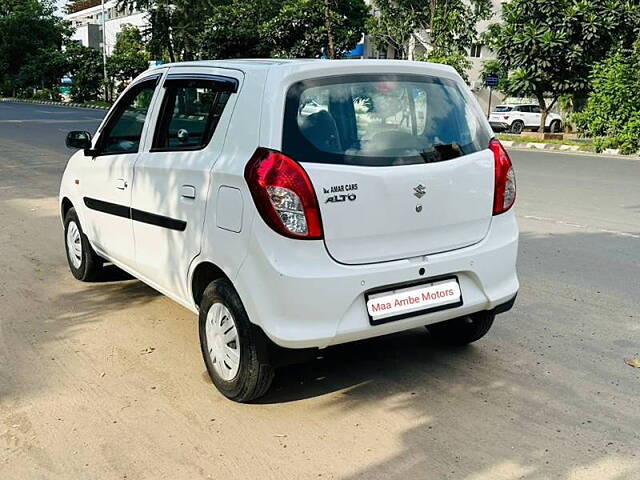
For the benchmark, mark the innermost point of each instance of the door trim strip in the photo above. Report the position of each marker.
(135, 214)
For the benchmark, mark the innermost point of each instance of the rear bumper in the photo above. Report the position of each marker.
(302, 298)
(499, 126)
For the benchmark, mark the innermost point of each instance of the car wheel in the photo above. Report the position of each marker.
(232, 348)
(555, 126)
(462, 330)
(517, 127)
(84, 262)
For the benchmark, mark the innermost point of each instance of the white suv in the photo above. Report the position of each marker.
(517, 118)
(294, 205)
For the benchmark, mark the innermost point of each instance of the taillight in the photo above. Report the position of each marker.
(283, 195)
(504, 193)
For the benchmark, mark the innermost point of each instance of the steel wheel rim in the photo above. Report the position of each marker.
(74, 244)
(223, 344)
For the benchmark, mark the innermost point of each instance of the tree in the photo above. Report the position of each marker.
(446, 28)
(392, 25)
(234, 29)
(43, 69)
(290, 28)
(175, 25)
(29, 31)
(306, 28)
(612, 110)
(129, 57)
(546, 49)
(85, 67)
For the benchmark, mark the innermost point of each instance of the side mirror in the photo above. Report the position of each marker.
(79, 140)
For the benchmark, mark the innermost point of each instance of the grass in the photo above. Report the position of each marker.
(585, 144)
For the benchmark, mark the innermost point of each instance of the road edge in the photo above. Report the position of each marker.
(56, 104)
(558, 148)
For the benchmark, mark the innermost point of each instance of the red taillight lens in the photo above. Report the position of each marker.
(284, 195)
(504, 194)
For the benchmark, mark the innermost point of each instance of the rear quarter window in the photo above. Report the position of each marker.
(380, 120)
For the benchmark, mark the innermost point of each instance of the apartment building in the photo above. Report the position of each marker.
(88, 23)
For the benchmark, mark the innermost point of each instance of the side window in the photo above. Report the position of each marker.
(535, 109)
(123, 131)
(189, 115)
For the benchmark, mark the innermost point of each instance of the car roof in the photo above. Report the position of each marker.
(302, 64)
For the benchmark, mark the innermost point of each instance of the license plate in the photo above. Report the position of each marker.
(406, 302)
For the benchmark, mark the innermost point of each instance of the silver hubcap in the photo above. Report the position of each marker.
(74, 244)
(223, 343)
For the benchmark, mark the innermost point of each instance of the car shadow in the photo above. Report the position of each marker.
(356, 364)
(111, 273)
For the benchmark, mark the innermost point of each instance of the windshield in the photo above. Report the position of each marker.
(380, 120)
(502, 108)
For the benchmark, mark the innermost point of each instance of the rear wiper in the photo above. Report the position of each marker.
(441, 152)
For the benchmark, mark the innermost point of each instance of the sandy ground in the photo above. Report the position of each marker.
(105, 380)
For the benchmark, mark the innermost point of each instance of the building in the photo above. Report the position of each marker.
(88, 23)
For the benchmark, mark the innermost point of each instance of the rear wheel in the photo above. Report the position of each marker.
(232, 348)
(517, 127)
(462, 330)
(555, 126)
(84, 262)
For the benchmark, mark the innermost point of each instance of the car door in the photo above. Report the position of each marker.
(535, 115)
(524, 114)
(108, 177)
(173, 173)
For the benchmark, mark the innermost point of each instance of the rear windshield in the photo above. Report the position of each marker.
(380, 120)
(503, 108)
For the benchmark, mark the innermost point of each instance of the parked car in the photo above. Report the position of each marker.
(517, 118)
(295, 205)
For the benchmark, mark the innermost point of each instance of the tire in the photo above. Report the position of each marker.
(517, 127)
(462, 330)
(244, 374)
(84, 262)
(555, 126)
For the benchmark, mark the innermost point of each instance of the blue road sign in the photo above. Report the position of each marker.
(491, 80)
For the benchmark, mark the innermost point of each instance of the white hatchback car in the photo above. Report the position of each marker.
(299, 204)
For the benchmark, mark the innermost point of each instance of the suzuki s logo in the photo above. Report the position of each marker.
(420, 191)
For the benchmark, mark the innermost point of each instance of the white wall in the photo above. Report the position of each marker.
(114, 27)
(113, 24)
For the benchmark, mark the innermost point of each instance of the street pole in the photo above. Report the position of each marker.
(104, 55)
(489, 107)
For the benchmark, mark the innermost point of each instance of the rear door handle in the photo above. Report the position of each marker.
(121, 184)
(188, 191)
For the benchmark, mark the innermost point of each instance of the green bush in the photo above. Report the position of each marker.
(612, 112)
(47, 95)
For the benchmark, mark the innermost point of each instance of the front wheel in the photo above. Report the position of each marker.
(462, 330)
(84, 262)
(232, 348)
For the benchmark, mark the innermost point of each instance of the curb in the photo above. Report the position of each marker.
(56, 104)
(561, 148)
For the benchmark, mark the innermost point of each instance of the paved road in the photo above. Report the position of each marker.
(106, 381)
